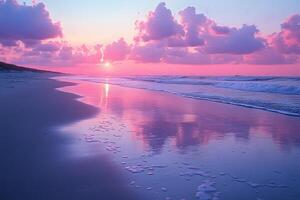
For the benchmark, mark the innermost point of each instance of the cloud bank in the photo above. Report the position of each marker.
(193, 38)
(28, 35)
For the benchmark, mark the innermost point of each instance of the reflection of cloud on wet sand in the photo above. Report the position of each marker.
(155, 118)
(150, 134)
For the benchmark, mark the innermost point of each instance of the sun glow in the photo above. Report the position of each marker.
(107, 64)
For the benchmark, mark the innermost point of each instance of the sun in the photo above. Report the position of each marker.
(107, 64)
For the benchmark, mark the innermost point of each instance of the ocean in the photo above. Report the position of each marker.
(276, 94)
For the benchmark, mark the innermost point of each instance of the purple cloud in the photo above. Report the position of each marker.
(160, 24)
(236, 41)
(60, 54)
(269, 56)
(29, 24)
(8, 42)
(192, 24)
(48, 47)
(183, 56)
(193, 39)
(151, 52)
(288, 40)
(220, 29)
(196, 30)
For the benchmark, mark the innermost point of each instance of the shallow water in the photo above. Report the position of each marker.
(170, 147)
(276, 94)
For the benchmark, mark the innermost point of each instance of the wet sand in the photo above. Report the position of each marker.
(34, 163)
(171, 147)
(100, 141)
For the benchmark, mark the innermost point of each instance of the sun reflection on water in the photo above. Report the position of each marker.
(106, 85)
(104, 95)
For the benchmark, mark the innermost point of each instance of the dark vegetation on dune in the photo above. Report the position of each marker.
(5, 67)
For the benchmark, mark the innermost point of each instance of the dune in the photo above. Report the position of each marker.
(15, 68)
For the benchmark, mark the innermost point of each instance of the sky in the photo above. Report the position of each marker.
(119, 16)
(135, 36)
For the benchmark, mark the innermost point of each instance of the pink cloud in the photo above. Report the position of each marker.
(288, 40)
(183, 56)
(116, 51)
(58, 54)
(269, 56)
(29, 24)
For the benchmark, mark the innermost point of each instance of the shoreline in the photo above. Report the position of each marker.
(209, 98)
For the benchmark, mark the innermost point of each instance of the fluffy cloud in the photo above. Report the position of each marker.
(220, 29)
(57, 54)
(192, 39)
(29, 24)
(116, 51)
(159, 24)
(288, 40)
(24, 37)
(234, 40)
(183, 56)
(192, 24)
(193, 57)
(195, 30)
(150, 52)
(48, 47)
(268, 56)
